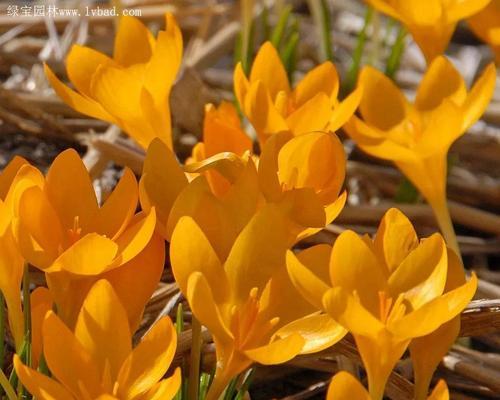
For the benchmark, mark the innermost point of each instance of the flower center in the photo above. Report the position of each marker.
(385, 304)
(75, 232)
(246, 324)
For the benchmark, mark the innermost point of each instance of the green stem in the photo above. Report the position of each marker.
(321, 16)
(352, 75)
(27, 312)
(4, 382)
(246, 33)
(194, 370)
(397, 50)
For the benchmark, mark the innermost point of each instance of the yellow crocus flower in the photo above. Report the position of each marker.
(246, 299)
(131, 89)
(16, 177)
(417, 136)
(271, 105)
(385, 291)
(61, 229)
(344, 386)
(93, 361)
(431, 22)
(486, 25)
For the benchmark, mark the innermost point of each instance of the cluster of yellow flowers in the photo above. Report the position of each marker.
(231, 218)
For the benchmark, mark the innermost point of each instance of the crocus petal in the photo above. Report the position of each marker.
(241, 84)
(440, 392)
(372, 141)
(277, 352)
(313, 115)
(81, 64)
(135, 281)
(75, 100)
(40, 386)
(323, 78)
(422, 274)
(430, 316)
(345, 109)
(384, 7)
(280, 299)
(332, 211)
(442, 80)
(38, 240)
(149, 361)
(119, 208)
(27, 176)
(306, 207)
(156, 122)
(479, 96)
(350, 313)
(444, 126)
(222, 131)
(41, 303)
(262, 113)
(268, 166)
(243, 197)
(118, 90)
(191, 251)
(463, 9)
(70, 191)
(9, 173)
(355, 267)
(91, 255)
(166, 389)
(309, 273)
(313, 160)
(132, 34)
(319, 332)
(345, 386)
(161, 182)
(11, 274)
(202, 302)
(197, 201)
(67, 358)
(424, 361)
(133, 240)
(268, 68)
(103, 330)
(382, 114)
(257, 245)
(395, 238)
(165, 62)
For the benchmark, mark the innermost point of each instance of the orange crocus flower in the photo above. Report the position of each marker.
(417, 136)
(385, 291)
(245, 298)
(431, 22)
(95, 360)
(131, 89)
(61, 229)
(271, 105)
(222, 133)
